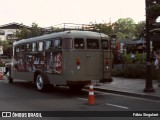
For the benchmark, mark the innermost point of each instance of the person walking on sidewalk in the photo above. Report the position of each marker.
(157, 64)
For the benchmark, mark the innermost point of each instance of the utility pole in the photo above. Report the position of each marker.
(149, 85)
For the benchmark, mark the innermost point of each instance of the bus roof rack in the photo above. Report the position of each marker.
(69, 26)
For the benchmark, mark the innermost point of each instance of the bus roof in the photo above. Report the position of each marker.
(64, 34)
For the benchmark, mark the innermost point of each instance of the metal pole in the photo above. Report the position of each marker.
(149, 85)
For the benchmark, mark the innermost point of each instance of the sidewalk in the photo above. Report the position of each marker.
(131, 87)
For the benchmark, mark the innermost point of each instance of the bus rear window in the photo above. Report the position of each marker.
(92, 44)
(105, 44)
(79, 43)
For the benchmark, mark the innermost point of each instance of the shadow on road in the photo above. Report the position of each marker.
(64, 90)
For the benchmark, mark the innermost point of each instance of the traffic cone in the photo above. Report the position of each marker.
(1, 76)
(91, 98)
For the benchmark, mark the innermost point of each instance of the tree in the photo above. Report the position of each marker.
(140, 29)
(7, 48)
(105, 28)
(23, 33)
(35, 30)
(125, 28)
(26, 32)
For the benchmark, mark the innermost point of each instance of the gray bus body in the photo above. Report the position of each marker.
(71, 58)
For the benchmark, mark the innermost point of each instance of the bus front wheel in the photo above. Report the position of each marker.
(40, 83)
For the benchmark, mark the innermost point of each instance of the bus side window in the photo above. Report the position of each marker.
(57, 44)
(79, 43)
(105, 44)
(40, 46)
(34, 47)
(16, 50)
(48, 45)
(28, 47)
(22, 48)
(67, 43)
(92, 44)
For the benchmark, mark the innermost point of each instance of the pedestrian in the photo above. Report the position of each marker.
(7, 69)
(157, 64)
(132, 57)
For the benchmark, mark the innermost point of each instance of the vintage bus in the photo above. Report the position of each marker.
(69, 58)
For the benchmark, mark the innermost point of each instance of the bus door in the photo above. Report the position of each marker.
(94, 58)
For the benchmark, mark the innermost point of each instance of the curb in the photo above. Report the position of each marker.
(145, 96)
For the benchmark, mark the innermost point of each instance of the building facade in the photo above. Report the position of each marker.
(8, 31)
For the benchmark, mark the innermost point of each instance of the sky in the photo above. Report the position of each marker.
(48, 13)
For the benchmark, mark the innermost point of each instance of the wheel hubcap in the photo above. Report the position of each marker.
(39, 82)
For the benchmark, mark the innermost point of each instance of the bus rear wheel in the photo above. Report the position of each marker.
(40, 83)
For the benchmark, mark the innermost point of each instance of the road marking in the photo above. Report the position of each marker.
(134, 97)
(123, 107)
(81, 98)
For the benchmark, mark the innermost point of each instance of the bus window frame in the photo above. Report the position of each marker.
(35, 49)
(42, 46)
(90, 41)
(28, 47)
(59, 46)
(49, 47)
(22, 47)
(79, 45)
(17, 49)
(102, 45)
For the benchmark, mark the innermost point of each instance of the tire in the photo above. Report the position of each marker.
(40, 83)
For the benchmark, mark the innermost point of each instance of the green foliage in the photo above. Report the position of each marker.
(135, 71)
(127, 59)
(29, 32)
(5, 44)
(124, 28)
(2, 64)
(103, 28)
(35, 30)
(127, 28)
(23, 33)
(139, 58)
(140, 29)
(117, 72)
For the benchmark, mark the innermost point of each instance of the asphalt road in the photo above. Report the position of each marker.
(22, 96)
